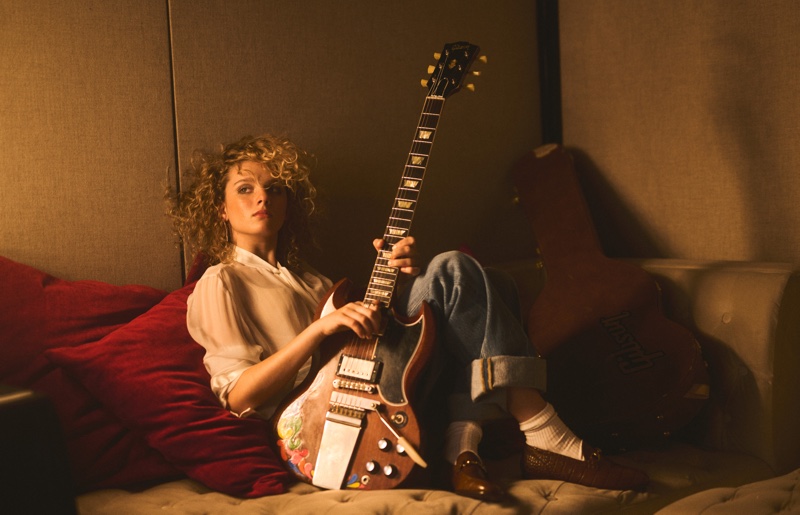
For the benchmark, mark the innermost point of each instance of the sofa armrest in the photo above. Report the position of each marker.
(745, 316)
(34, 470)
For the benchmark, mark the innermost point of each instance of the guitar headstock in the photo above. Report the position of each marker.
(453, 65)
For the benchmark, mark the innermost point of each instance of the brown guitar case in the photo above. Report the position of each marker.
(620, 373)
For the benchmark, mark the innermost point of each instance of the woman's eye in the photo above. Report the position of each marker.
(245, 189)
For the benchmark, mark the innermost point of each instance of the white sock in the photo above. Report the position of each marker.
(547, 431)
(461, 436)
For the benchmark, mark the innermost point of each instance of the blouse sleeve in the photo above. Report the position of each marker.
(213, 322)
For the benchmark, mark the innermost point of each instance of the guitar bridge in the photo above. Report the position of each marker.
(352, 403)
(358, 368)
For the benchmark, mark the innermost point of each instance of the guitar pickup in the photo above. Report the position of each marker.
(358, 368)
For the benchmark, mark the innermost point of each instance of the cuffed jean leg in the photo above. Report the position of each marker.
(480, 331)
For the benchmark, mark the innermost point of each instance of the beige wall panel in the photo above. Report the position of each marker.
(684, 116)
(86, 138)
(342, 80)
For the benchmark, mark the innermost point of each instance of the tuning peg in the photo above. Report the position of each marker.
(476, 73)
(431, 69)
(424, 83)
(470, 87)
(483, 59)
(437, 55)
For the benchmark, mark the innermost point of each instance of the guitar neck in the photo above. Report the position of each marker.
(384, 277)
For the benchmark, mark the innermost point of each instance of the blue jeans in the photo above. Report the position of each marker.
(477, 318)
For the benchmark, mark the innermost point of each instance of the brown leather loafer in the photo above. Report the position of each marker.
(470, 479)
(594, 470)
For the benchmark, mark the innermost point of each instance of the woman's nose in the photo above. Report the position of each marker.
(263, 195)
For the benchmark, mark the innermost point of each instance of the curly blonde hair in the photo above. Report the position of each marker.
(197, 211)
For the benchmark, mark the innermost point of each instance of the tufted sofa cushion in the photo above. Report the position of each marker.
(777, 495)
(676, 472)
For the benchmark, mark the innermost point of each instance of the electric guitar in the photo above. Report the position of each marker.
(351, 423)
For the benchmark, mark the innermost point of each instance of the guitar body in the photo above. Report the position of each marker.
(620, 373)
(401, 354)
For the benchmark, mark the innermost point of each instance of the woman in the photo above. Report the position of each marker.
(248, 210)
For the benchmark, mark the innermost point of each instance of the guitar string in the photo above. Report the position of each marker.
(431, 110)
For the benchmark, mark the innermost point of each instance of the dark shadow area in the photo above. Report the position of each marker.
(619, 231)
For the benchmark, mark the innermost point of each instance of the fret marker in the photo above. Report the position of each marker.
(425, 134)
(404, 204)
(417, 160)
(397, 232)
(408, 183)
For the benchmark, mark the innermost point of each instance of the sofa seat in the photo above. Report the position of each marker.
(676, 472)
(776, 495)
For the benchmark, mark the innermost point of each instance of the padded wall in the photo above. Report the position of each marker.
(342, 79)
(684, 118)
(86, 139)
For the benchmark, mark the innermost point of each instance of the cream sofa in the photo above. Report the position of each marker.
(743, 457)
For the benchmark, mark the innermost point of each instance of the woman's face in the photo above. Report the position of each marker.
(255, 206)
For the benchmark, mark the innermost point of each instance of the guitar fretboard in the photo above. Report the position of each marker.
(383, 278)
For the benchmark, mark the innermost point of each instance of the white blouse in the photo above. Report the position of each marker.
(243, 311)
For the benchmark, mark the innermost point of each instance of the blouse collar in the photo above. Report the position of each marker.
(246, 257)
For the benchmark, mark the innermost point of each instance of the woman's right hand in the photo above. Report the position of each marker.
(364, 320)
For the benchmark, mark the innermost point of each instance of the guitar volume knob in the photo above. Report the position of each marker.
(384, 444)
(372, 466)
(389, 470)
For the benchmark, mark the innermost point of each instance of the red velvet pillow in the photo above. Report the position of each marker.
(38, 312)
(150, 374)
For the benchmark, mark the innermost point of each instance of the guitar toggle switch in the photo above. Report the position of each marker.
(402, 442)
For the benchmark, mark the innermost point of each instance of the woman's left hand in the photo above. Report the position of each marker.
(404, 255)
